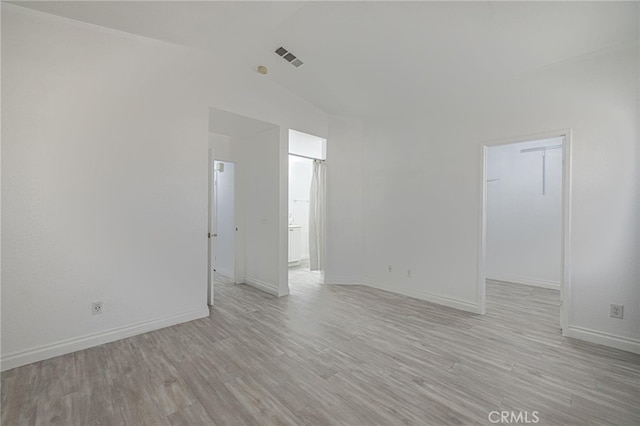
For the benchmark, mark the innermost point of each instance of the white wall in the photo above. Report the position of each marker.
(307, 145)
(104, 142)
(300, 174)
(345, 216)
(422, 188)
(225, 247)
(258, 183)
(248, 142)
(524, 226)
(221, 146)
(104, 178)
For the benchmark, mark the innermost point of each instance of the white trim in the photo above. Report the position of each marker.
(611, 340)
(482, 246)
(555, 285)
(283, 292)
(262, 285)
(565, 284)
(62, 347)
(429, 297)
(283, 211)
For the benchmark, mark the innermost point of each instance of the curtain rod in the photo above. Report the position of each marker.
(304, 156)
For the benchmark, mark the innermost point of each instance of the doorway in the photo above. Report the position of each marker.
(222, 226)
(306, 210)
(525, 219)
(257, 150)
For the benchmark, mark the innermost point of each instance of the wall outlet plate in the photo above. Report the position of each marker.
(616, 311)
(96, 308)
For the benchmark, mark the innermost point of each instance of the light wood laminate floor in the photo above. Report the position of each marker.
(300, 275)
(336, 355)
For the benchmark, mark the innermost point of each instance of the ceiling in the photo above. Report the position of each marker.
(371, 59)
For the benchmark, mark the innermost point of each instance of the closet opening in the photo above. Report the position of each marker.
(525, 232)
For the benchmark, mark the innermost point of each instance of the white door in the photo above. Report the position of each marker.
(212, 231)
(224, 228)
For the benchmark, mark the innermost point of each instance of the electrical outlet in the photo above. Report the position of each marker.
(409, 275)
(390, 268)
(96, 308)
(616, 311)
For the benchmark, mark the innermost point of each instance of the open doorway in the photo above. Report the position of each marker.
(222, 227)
(306, 212)
(525, 224)
(247, 167)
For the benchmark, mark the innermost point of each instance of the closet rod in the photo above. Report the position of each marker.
(304, 156)
(544, 162)
(542, 148)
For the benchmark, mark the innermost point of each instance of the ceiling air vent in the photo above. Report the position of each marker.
(289, 57)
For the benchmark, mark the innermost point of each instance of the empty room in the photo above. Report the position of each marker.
(320, 213)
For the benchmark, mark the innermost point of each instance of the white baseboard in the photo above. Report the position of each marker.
(613, 341)
(262, 285)
(555, 285)
(342, 281)
(17, 359)
(440, 300)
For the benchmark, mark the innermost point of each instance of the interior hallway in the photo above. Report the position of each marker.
(336, 355)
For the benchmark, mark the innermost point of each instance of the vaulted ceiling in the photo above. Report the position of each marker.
(376, 58)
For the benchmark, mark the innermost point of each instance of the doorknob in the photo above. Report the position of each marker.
(212, 235)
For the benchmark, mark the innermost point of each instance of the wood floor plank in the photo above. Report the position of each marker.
(194, 414)
(336, 355)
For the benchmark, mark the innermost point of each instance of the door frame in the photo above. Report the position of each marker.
(565, 250)
(324, 207)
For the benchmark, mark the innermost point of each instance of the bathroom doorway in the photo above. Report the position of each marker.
(306, 212)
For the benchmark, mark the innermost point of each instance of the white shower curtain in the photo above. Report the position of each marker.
(316, 216)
